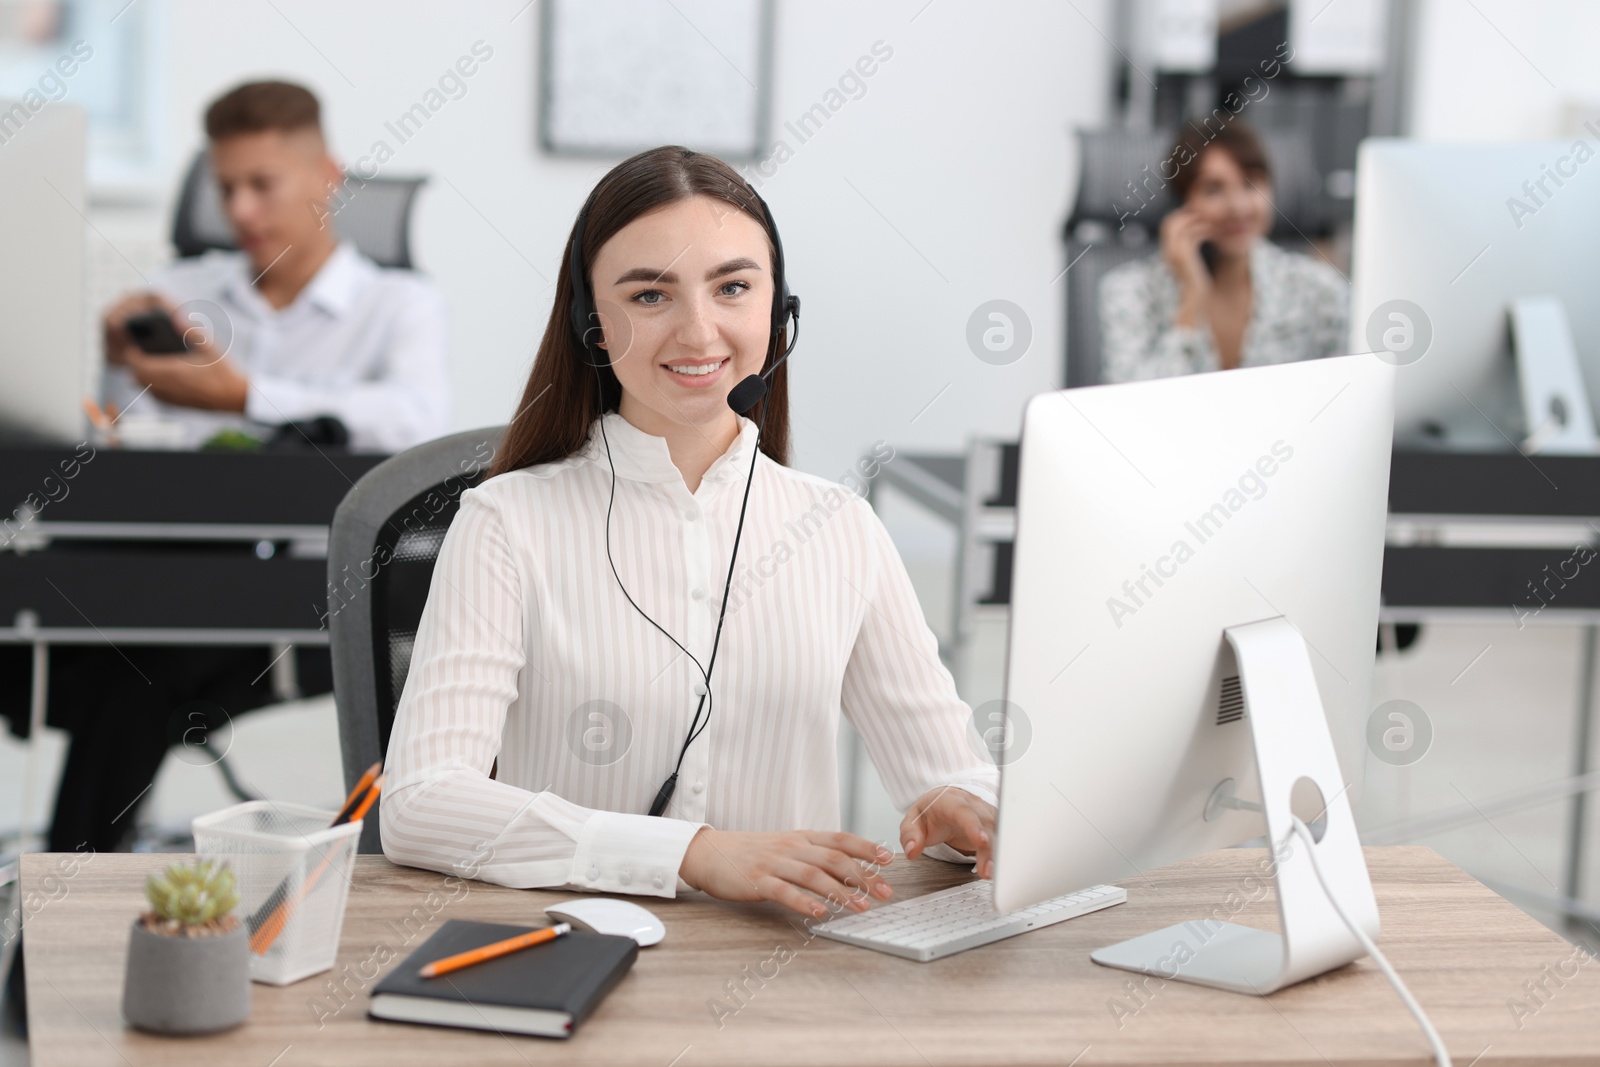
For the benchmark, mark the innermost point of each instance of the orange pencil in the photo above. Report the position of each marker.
(262, 937)
(489, 952)
(98, 419)
(367, 801)
(351, 801)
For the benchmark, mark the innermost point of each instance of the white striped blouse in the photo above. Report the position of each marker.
(528, 652)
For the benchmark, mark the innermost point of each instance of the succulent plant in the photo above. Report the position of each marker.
(185, 896)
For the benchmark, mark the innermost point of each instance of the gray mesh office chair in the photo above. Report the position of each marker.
(1108, 226)
(374, 214)
(385, 538)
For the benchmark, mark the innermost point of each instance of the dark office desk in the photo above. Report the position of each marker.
(149, 547)
(1467, 531)
(188, 549)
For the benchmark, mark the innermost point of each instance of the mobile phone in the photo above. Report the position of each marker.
(155, 334)
(1208, 256)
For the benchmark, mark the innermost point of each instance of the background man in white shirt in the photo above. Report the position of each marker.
(307, 327)
(296, 324)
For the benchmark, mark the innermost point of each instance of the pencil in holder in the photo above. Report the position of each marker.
(292, 871)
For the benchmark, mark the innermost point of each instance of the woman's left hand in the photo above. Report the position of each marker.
(954, 817)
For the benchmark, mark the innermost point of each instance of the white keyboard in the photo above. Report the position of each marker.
(962, 917)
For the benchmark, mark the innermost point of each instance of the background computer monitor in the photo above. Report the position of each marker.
(1275, 479)
(1459, 231)
(42, 329)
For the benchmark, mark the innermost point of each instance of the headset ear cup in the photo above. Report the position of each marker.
(599, 335)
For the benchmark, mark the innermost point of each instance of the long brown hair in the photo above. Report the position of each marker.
(565, 394)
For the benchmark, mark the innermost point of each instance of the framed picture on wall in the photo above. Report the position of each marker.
(619, 76)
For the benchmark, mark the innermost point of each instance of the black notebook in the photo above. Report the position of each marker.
(546, 989)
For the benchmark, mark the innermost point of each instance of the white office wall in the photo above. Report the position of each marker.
(1504, 70)
(942, 187)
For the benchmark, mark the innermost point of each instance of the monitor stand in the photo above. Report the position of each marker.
(1294, 755)
(1555, 402)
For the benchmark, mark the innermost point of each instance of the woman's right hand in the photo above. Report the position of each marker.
(1182, 232)
(793, 868)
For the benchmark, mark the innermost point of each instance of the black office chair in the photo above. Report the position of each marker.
(385, 538)
(372, 213)
(1110, 224)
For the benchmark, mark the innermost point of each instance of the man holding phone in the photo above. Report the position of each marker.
(294, 325)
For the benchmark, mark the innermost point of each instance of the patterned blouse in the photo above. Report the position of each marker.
(1299, 310)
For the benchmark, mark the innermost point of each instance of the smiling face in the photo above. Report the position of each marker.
(1237, 205)
(684, 294)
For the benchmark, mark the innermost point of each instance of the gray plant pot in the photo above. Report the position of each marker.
(187, 985)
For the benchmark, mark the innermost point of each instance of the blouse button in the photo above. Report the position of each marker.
(594, 872)
(699, 689)
(699, 787)
(691, 513)
(624, 877)
(659, 881)
(698, 593)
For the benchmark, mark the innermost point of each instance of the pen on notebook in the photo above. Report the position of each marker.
(489, 952)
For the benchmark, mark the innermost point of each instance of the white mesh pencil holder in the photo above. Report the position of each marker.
(293, 876)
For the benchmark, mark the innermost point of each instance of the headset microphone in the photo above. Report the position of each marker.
(750, 392)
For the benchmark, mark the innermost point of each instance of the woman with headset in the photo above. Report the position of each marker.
(606, 692)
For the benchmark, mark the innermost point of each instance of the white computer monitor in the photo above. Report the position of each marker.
(1461, 232)
(1152, 517)
(42, 322)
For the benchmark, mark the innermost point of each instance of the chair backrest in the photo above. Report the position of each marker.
(372, 213)
(381, 551)
(1091, 262)
(1118, 210)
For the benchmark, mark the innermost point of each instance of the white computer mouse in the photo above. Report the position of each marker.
(607, 915)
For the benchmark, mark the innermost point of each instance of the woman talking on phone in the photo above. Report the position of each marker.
(1219, 295)
(643, 629)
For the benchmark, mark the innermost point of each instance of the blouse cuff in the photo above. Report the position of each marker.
(983, 793)
(942, 851)
(619, 852)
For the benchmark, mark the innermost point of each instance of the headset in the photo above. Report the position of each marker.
(584, 320)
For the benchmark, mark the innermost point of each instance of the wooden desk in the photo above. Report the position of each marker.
(1036, 998)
